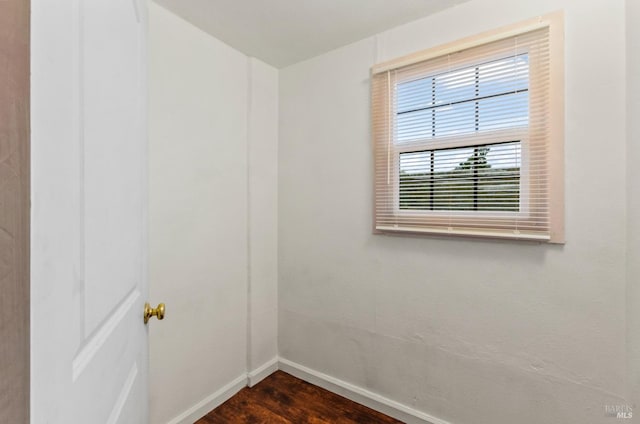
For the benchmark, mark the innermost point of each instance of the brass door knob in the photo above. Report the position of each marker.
(157, 312)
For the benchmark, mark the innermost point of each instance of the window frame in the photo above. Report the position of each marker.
(554, 161)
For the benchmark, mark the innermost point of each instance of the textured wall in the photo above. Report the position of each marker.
(197, 213)
(472, 331)
(263, 213)
(14, 211)
(213, 128)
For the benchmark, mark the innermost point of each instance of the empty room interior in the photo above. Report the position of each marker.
(362, 211)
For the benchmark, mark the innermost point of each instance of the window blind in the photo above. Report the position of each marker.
(463, 141)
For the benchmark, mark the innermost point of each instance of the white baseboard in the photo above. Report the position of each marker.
(216, 399)
(212, 401)
(262, 372)
(357, 394)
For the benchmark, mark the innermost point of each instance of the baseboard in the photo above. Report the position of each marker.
(262, 372)
(212, 401)
(357, 394)
(216, 399)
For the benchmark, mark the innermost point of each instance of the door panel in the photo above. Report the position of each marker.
(89, 343)
(111, 122)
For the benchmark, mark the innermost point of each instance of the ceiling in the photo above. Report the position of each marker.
(283, 32)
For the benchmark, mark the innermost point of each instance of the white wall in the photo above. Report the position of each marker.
(472, 331)
(633, 201)
(198, 213)
(263, 214)
(207, 123)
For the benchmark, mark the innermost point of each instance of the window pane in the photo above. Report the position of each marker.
(455, 119)
(485, 178)
(504, 76)
(506, 111)
(414, 95)
(414, 125)
(455, 86)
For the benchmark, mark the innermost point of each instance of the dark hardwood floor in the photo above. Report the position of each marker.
(282, 398)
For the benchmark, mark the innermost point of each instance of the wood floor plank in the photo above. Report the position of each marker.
(241, 409)
(284, 399)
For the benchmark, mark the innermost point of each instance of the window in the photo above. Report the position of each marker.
(468, 137)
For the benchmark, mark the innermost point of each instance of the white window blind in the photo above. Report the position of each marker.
(464, 141)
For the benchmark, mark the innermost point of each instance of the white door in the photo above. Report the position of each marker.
(88, 260)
